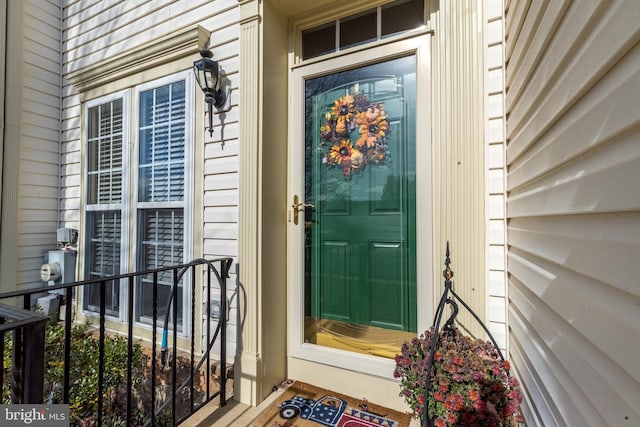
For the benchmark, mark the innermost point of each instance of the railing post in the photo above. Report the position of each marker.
(27, 370)
(2, 354)
(33, 368)
(225, 266)
(16, 367)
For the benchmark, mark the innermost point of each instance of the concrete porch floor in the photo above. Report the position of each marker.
(233, 413)
(236, 414)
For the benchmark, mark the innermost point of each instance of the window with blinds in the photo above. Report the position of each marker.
(161, 190)
(104, 183)
(104, 144)
(145, 187)
(161, 245)
(103, 246)
(162, 132)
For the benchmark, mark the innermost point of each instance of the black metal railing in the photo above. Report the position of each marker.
(159, 388)
(27, 375)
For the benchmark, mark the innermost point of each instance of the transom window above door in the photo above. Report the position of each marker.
(364, 27)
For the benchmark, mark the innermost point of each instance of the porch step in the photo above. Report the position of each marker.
(234, 413)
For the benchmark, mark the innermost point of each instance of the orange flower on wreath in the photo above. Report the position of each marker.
(344, 154)
(343, 111)
(373, 125)
(340, 152)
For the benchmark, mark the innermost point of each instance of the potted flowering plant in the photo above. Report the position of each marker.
(470, 384)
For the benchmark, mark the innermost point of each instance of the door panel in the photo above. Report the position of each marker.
(360, 240)
(336, 264)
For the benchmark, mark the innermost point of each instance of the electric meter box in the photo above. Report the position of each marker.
(67, 235)
(60, 267)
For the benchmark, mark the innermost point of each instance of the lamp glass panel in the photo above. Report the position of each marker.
(211, 74)
(198, 70)
(206, 74)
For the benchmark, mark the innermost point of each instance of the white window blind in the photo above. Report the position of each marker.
(162, 134)
(161, 245)
(104, 231)
(104, 144)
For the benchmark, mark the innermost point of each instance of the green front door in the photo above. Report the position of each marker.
(360, 230)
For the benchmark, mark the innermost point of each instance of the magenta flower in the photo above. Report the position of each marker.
(470, 385)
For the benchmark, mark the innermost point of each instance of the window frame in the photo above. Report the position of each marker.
(130, 206)
(335, 17)
(123, 206)
(186, 204)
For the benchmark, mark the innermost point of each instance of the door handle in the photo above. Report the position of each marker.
(297, 207)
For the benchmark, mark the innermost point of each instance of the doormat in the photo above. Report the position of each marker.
(304, 405)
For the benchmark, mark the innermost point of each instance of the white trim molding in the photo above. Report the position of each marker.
(145, 56)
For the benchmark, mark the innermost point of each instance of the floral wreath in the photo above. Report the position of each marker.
(349, 113)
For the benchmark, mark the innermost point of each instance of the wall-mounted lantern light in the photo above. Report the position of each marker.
(209, 79)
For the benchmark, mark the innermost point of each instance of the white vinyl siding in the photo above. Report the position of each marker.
(134, 21)
(31, 72)
(495, 249)
(573, 209)
(220, 176)
(459, 149)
